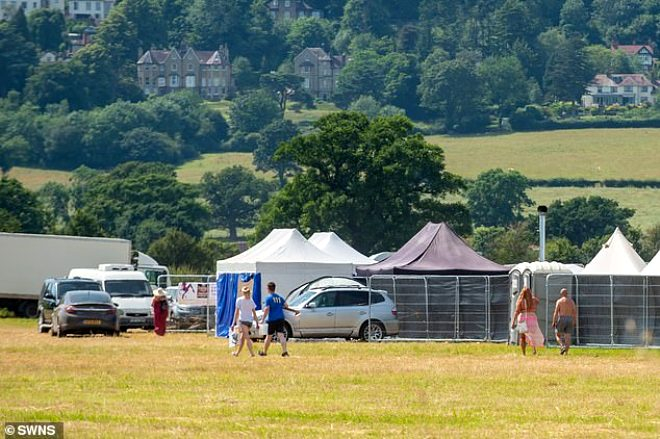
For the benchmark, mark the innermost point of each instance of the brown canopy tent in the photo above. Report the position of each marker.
(436, 250)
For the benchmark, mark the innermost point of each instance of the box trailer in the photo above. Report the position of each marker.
(26, 260)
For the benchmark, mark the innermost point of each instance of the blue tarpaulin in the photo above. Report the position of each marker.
(226, 298)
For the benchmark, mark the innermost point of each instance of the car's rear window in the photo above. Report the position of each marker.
(65, 287)
(358, 298)
(87, 297)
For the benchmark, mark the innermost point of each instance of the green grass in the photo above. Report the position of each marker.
(645, 201)
(34, 179)
(590, 153)
(303, 116)
(187, 385)
(192, 172)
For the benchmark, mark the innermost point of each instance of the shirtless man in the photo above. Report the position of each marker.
(563, 320)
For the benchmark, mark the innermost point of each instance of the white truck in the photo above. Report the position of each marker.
(26, 260)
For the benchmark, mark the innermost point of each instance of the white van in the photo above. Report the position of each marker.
(130, 290)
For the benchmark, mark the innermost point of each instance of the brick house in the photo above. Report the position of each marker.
(643, 53)
(319, 71)
(291, 10)
(622, 89)
(206, 72)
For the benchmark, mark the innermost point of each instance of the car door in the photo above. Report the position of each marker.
(352, 309)
(317, 317)
(48, 302)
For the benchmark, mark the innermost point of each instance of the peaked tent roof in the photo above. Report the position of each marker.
(616, 257)
(436, 249)
(332, 244)
(653, 267)
(283, 245)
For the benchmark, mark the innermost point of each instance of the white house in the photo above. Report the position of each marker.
(643, 53)
(90, 9)
(622, 89)
(9, 7)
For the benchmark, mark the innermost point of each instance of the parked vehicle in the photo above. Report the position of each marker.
(157, 275)
(129, 289)
(85, 312)
(26, 260)
(341, 311)
(53, 291)
(190, 316)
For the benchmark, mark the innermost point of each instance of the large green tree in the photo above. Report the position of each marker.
(235, 195)
(17, 56)
(252, 111)
(583, 218)
(373, 182)
(505, 84)
(47, 28)
(497, 198)
(21, 207)
(270, 138)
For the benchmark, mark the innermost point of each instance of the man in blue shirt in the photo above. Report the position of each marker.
(274, 316)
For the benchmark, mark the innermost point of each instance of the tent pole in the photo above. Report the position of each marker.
(456, 308)
(426, 291)
(611, 311)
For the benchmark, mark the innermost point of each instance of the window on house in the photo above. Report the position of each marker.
(287, 3)
(162, 68)
(287, 14)
(306, 83)
(645, 89)
(174, 67)
(190, 81)
(615, 89)
(174, 81)
(88, 6)
(599, 89)
(316, 14)
(75, 6)
(301, 14)
(190, 67)
(161, 82)
(276, 3)
(628, 89)
(98, 6)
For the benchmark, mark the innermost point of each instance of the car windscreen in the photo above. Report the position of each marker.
(302, 298)
(64, 287)
(128, 288)
(79, 297)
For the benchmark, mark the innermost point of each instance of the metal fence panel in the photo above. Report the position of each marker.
(498, 308)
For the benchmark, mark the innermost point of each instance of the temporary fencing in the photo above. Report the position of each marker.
(192, 299)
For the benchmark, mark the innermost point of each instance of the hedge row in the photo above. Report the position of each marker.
(582, 182)
(548, 124)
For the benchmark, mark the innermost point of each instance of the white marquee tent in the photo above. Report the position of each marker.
(332, 244)
(286, 258)
(653, 267)
(617, 257)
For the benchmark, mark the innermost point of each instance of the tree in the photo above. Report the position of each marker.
(21, 205)
(309, 32)
(365, 16)
(17, 56)
(505, 84)
(235, 196)
(373, 182)
(84, 223)
(401, 81)
(20, 24)
(575, 16)
(366, 105)
(363, 76)
(145, 145)
(270, 138)
(47, 28)
(243, 74)
(282, 85)
(567, 72)
(582, 218)
(505, 246)
(55, 198)
(562, 250)
(650, 243)
(451, 88)
(120, 200)
(497, 198)
(176, 249)
(252, 111)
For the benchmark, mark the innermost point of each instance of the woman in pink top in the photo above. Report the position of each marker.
(526, 312)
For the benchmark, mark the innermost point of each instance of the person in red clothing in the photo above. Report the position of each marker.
(161, 311)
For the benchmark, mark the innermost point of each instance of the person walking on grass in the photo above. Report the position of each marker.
(244, 315)
(160, 308)
(563, 320)
(274, 316)
(525, 319)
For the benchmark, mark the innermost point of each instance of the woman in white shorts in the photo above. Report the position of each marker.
(244, 315)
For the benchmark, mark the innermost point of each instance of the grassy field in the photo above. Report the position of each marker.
(33, 179)
(187, 385)
(645, 201)
(590, 153)
(192, 172)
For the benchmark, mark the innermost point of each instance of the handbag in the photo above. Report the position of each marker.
(521, 327)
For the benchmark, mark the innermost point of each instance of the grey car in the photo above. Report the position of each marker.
(85, 312)
(53, 292)
(342, 312)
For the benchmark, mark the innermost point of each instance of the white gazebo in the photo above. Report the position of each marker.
(617, 257)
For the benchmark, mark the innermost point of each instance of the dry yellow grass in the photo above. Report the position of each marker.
(189, 386)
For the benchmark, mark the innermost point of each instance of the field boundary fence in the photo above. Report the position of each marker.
(613, 310)
(192, 306)
(447, 308)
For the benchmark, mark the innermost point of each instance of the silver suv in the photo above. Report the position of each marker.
(342, 312)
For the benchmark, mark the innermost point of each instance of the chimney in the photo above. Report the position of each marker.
(542, 210)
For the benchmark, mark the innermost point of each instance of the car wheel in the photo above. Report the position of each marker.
(373, 331)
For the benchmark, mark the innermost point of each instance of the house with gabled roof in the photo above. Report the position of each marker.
(319, 71)
(643, 53)
(208, 73)
(621, 89)
(282, 10)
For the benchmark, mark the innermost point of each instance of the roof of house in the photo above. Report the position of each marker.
(633, 49)
(297, 3)
(205, 56)
(621, 79)
(320, 54)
